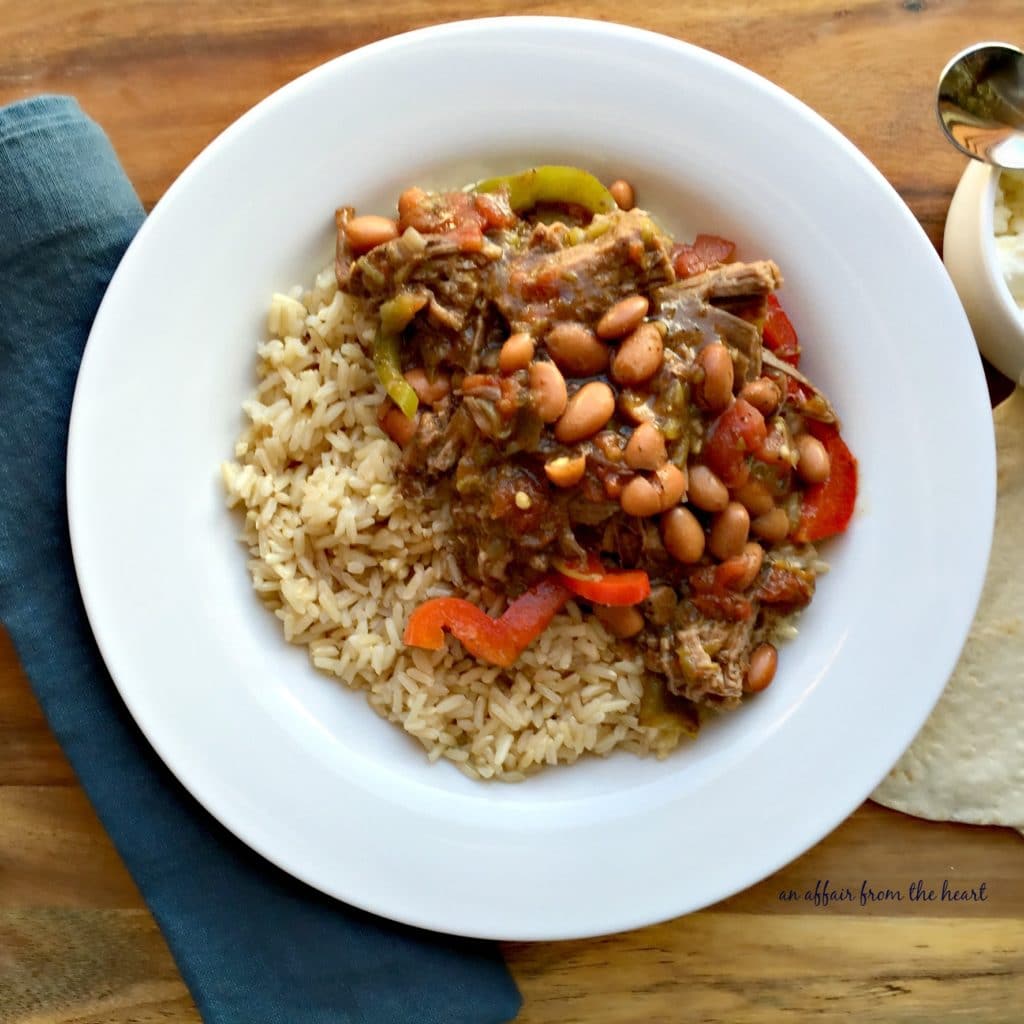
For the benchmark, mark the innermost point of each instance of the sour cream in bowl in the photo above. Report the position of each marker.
(984, 254)
(1008, 224)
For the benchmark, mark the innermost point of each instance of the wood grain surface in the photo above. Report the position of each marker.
(76, 942)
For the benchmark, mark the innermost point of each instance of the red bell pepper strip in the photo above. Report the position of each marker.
(779, 335)
(499, 641)
(608, 587)
(827, 507)
(531, 613)
(737, 433)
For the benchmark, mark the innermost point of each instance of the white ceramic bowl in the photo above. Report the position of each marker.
(303, 770)
(969, 251)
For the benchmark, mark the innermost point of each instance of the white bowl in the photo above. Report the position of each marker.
(303, 770)
(969, 251)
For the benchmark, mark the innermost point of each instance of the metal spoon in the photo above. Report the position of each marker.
(980, 103)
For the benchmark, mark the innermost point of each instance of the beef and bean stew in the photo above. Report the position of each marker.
(611, 414)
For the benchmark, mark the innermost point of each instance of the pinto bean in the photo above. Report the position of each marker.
(744, 567)
(548, 393)
(647, 496)
(764, 660)
(729, 531)
(623, 194)
(639, 356)
(813, 463)
(397, 425)
(672, 481)
(482, 385)
(755, 497)
(715, 391)
(707, 492)
(516, 353)
(586, 412)
(763, 394)
(429, 391)
(682, 535)
(640, 497)
(576, 350)
(368, 231)
(772, 526)
(622, 621)
(624, 317)
(566, 471)
(645, 448)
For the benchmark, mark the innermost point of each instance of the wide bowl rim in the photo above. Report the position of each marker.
(78, 440)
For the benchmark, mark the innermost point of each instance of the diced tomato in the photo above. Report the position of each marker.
(685, 260)
(420, 210)
(729, 573)
(785, 586)
(457, 215)
(718, 580)
(702, 580)
(796, 393)
(707, 251)
(780, 335)
(774, 450)
(714, 250)
(738, 432)
(495, 210)
(499, 641)
(469, 236)
(518, 515)
(827, 507)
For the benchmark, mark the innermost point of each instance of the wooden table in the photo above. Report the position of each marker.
(76, 942)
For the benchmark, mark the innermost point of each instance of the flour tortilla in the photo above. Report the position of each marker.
(967, 763)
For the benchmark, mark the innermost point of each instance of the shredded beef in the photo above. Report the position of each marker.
(579, 282)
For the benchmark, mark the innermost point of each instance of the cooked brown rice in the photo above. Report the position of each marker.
(342, 558)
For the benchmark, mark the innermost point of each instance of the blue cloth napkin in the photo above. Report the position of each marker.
(253, 945)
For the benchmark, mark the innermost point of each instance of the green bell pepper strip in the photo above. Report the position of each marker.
(551, 184)
(388, 364)
(395, 316)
